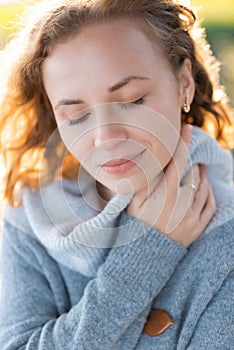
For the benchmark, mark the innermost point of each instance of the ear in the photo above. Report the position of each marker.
(187, 84)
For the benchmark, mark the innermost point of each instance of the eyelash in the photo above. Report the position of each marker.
(78, 120)
(125, 105)
(128, 105)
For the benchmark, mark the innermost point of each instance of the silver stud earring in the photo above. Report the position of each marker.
(186, 105)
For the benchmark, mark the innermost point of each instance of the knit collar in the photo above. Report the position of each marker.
(69, 220)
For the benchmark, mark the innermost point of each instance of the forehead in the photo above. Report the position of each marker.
(103, 41)
(99, 56)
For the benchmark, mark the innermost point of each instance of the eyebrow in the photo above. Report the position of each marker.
(111, 89)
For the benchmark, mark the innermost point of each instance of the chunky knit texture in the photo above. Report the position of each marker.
(77, 276)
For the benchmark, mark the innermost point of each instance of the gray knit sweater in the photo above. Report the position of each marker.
(77, 274)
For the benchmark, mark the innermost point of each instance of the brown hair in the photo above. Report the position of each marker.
(27, 120)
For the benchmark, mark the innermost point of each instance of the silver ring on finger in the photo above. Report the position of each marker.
(193, 187)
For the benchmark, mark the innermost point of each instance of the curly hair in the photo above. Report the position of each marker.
(26, 116)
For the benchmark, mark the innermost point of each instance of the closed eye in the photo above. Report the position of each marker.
(132, 104)
(125, 105)
(78, 120)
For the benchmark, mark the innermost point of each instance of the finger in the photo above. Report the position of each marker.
(209, 209)
(177, 164)
(185, 199)
(202, 192)
(141, 196)
(181, 208)
(192, 177)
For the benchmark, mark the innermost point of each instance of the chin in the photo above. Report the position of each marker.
(131, 184)
(123, 186)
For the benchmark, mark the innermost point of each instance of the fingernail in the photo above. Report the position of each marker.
(189, 128)
(188, 132)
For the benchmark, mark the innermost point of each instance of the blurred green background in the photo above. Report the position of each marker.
(218, 19)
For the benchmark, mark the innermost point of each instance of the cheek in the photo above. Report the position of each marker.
(166, 128)
(167, 103)
(79, 145)
(162, 148)
(169, 113)
(81, 151)
(166, 144)
(161, 134)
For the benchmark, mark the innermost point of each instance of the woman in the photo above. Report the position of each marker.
(133, 248)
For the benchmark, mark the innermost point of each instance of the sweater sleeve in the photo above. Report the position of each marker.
(215, 328)
(114, 306)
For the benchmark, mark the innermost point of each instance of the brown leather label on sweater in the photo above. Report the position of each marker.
(157, 322)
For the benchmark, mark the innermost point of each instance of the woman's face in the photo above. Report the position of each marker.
(116, 103)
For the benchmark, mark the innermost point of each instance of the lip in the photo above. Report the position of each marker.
(121, 165)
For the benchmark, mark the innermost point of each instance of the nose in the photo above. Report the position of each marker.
(111, 134)
(109, 128)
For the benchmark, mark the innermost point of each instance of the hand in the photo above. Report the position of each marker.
(173, 207)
